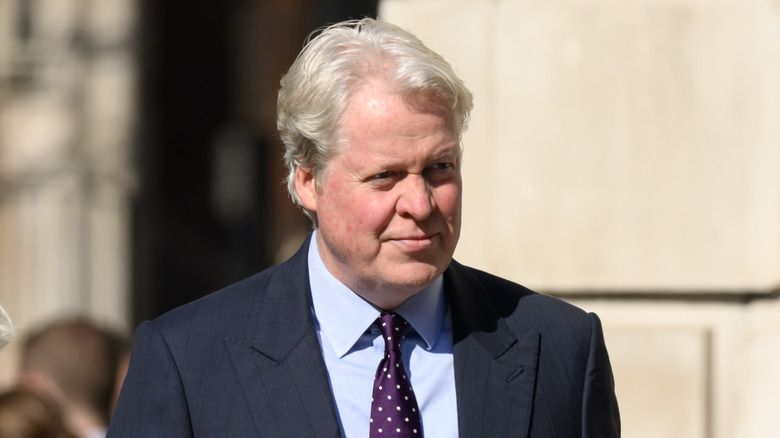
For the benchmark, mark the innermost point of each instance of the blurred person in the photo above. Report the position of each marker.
(74, 363)
(24, 414)
(371, 120)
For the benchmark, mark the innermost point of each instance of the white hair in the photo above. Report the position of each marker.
(317, 89)
(7, 331)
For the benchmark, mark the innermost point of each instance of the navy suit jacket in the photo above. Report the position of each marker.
(246, 362)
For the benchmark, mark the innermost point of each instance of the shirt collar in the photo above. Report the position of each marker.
(343, 316)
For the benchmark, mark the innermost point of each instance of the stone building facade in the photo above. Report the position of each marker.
(625, 156)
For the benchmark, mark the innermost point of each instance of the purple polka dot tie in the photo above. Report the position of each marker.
(394, 410)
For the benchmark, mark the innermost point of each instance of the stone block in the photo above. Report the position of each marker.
(617, 146)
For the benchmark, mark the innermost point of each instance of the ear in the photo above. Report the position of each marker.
(306, 187)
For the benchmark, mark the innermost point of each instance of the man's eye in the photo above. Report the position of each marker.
(383, 175)
(440, 172)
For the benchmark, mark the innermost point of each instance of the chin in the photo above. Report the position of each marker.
(418, 277)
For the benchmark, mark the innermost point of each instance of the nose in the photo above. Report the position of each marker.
(415, 199)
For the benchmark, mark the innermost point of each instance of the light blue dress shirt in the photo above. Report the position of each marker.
(352, 348)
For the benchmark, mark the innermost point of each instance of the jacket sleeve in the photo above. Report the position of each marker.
(600, 414)
(152, 402)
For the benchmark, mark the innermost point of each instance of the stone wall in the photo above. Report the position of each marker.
(626, 156)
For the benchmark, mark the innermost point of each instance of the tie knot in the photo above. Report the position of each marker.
(393, 327)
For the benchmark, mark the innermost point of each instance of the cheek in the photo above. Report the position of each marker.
(354, 212)
(373, 211)
(448, 199)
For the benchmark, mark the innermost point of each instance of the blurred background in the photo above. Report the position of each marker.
(624, 156)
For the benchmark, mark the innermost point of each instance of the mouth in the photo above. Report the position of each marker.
(415, 243)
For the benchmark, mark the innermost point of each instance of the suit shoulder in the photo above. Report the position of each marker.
(233, 303)
(507, 294)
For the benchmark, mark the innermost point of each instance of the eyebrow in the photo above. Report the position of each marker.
(449, 149)
(444, 151)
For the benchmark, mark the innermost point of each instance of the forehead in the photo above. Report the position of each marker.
(376, 108)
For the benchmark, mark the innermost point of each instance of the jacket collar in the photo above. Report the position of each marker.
(283, 371)
(495, 365)
(282, 374)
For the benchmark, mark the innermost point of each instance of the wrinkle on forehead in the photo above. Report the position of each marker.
(374, 98)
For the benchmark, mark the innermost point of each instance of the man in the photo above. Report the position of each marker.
(372, 121)
(73, 363)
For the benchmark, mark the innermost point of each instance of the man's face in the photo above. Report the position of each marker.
(389, 203)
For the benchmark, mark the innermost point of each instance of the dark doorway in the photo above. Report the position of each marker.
(211, 208)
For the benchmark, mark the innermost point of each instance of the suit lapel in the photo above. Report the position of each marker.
(282, 372)
(285, 381)
(495, 366)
